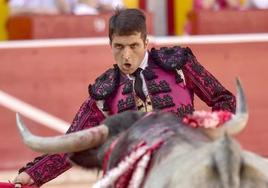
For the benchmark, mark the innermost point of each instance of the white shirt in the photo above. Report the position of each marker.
(261, 4)
(143, 65)
(85, 9)
(45, 4)
(113, 3)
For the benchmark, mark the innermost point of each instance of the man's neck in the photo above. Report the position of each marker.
(144, 62)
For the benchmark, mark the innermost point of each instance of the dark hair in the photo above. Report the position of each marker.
(127, 22)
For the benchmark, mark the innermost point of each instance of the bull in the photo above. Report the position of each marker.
(157, 150)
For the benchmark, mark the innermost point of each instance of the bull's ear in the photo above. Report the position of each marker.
(87, 159)
(254, 170)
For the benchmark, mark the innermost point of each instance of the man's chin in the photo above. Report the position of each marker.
(127, 71)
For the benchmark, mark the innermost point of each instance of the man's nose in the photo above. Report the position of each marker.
(126, 52)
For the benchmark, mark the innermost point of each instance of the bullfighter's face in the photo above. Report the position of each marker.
(128, 51)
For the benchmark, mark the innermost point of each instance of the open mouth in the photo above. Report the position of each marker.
(127, 65)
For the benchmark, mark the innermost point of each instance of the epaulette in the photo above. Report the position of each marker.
(105, 84)
(171, 58)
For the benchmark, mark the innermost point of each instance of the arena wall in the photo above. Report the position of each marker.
(55, 78)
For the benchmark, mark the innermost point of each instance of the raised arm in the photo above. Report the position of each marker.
(206, 86)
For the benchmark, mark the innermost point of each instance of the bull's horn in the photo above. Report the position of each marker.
(72, 142)
(240, 119)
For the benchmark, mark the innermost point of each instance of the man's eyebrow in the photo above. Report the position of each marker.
(118, 43)
(133, 43)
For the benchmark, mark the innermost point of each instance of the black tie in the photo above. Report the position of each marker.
(138, 84)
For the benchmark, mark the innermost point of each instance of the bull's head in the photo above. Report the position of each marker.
(211, 164)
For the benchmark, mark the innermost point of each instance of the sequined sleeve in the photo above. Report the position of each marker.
(206, 86)
(47, 167)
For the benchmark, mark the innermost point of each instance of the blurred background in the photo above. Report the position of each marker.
(50, 50)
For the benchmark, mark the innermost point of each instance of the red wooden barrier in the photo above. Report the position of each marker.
(61, 26)
(228, 21)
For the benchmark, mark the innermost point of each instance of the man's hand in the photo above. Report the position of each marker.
(23, 179)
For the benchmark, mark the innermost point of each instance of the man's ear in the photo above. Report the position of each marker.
(146, 42)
